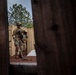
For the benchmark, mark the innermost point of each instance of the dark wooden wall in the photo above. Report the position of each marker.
(55, 36)
(4, 54)
(23, 70)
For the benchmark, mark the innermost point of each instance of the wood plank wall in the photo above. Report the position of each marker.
(55, 36)
(30, 39)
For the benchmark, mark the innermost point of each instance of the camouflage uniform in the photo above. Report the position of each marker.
(19, 41)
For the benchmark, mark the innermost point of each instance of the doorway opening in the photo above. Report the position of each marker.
(21, 33)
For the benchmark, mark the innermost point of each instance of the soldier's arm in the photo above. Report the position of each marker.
(13, 35)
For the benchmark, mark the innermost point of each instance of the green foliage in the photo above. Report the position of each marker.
(18, 13)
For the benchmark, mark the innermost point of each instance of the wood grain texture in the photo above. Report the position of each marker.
(4, 59)
(55, 36)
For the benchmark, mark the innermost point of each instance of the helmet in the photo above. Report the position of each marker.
(18, 24)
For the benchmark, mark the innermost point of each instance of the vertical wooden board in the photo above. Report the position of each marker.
(4, 53)
(55, 36)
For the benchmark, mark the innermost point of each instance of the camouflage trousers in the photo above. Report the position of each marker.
(20, 47)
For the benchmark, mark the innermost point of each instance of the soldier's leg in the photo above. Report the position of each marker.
(20, 49)
(24, 49)
(16, 52)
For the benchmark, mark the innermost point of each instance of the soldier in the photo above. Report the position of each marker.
(19, 36)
